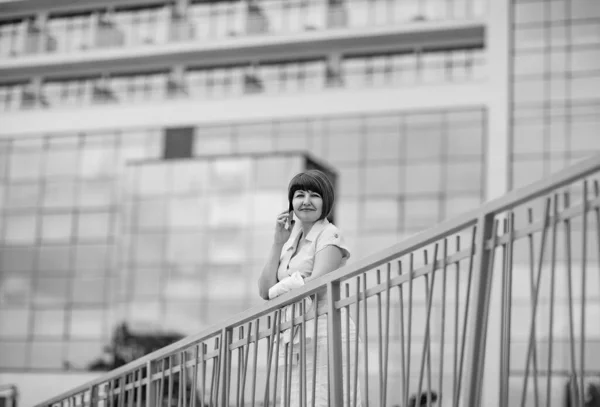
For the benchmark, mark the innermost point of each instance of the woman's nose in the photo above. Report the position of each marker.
(306, 199)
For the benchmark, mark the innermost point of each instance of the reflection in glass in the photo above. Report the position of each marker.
(152, 179)
(86, 323)
(61, 163)
(231, 210)
(420, 213)
(20, 229)
(230, 174)
(381, 214)
(57, 227)
(97, 162)
(93, 226)
(47, 355)
(186, 248)
(96, 193)
(148, 248)
(13, 323)
(59, 194)
(151, 214)
(93, 259)
(384, 179)
(25, 165)
(423, 178)
(15, 289)
(81, 354)
(55, 260)
(13, 353)
(17, 259)
(20, 196)
(51, 291)
(88, 290)
(49, 322)
(187, 212)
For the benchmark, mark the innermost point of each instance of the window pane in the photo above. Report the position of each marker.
(57, 227)
(275, 172)
(383, 144)
(464, 141)
(381, 214)
(88, 290)
(96, 193)
(421, 213)
(87, 323)
(25, 165)
(49, 322)
(81, 354)
(423, 144)
(15, 289)
(152, 179)
(22, 196)
(14, 323)
(383, 180)
(148, 248)
(59, 194)
(17, 259)
(92, 259)
(526, 172)
(187, 213)
(151, 214)
(98, 162)
(51, 291)
(423, 178)
(47, 355)
(93, 225)
(464, 177)
(20, 229)
(230, 175)
(55, 260)
(461, 204)
(61, 163)
(13, 354)
(186, 248)
(228, 211)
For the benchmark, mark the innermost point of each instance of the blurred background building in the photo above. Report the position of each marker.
(146, 145)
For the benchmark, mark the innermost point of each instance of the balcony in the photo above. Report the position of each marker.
(392, 69)
(125, 34)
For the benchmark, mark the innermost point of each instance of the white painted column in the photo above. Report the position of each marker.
(499, 94)
(498, 35)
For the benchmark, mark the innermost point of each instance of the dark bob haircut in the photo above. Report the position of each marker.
(315, 181)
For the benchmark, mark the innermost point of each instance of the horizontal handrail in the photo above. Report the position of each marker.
(415, 242)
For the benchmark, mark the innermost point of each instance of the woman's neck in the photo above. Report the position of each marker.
(306, 227)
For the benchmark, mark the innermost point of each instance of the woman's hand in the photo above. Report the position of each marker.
(282, 234)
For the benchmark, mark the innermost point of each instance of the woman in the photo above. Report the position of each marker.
(303, 250)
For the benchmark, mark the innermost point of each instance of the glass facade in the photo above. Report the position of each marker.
(556, 77)
(129, 26)
(64, 206)
(555, 108)
(427, 66)
(196, 233)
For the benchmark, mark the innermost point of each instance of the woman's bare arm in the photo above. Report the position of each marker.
(327, 260)
(268, 277)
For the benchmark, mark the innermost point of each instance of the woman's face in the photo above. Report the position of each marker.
(308, 205)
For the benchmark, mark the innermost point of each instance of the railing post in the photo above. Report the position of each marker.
(225, 366)
(150, 387)
(334, 343)
(479, 312)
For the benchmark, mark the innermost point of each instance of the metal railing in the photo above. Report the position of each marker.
(8, 395)
(470, 312)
